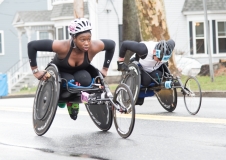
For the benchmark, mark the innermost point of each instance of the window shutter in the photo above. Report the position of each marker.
(214, 36)
(191, 38)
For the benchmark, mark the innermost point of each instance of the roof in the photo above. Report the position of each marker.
(197, 5)
(62, 10)
(34, 16)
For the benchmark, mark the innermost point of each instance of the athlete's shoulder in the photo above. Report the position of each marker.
(149, 42)
(61, 46)
(61, 42)
(150, 45)
(95, 44)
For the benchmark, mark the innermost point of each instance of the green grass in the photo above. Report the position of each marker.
(25, 90)
(219, 84)
(113, 87)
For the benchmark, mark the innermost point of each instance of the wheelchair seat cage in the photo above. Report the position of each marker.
(165, 88)
(101, 105)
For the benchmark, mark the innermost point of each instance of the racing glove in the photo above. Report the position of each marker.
(122, 66)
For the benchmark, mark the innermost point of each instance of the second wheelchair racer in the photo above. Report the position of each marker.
(73, 56)
(151, 56)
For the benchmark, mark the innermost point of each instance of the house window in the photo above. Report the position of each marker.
(1, 43)
(43, 35)
(222, 37)
(199, 38)
(67, 34)
(60, 34)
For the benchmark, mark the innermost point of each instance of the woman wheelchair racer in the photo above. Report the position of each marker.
(151, 55)
(73, 56)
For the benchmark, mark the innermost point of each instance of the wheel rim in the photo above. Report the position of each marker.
(101, 115)
(43, 101)
(124, 121)
(133, 80)
(173, 105)
(193, 99)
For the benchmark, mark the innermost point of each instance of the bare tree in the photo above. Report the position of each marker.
(78, 9)
(145, 20)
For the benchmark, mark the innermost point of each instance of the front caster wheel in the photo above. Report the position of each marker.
(124, 118)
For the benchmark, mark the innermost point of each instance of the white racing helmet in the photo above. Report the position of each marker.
(79, 25)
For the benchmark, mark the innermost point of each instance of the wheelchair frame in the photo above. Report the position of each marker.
(106, 107)
(167, 97)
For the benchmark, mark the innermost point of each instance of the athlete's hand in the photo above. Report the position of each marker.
(104, 71)
(122, 66)
(42, 75)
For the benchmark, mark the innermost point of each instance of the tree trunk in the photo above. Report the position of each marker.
(131, 28)
(152, 20)
(78, 9)
(145, 20)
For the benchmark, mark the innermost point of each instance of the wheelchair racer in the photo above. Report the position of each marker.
(151, 55)
(73, 56)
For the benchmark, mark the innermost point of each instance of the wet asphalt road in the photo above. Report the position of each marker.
(157, 134)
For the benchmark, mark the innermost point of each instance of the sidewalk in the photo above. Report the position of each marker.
(19, 96)
(221, 94)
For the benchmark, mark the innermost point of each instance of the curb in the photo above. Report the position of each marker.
(209, 94)
(204, 94)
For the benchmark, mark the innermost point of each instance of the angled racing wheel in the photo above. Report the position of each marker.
(46, 100)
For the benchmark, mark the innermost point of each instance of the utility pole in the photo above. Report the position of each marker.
(78, 9)
(208, 41)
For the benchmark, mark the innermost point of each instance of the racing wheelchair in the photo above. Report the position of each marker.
(101, 105)
(164, 88)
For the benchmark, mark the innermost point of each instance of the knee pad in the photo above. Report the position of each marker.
(83, 77)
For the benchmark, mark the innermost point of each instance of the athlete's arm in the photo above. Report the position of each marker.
(38, 45)
(33, 47)
(139, 48)
(109, 47)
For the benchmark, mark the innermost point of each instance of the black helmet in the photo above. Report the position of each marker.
(163, 49)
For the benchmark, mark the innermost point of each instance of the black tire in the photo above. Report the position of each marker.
(168, 99)
(101, 115)
(192, 104)
(45, 102)
(133, 80)
(124, 96)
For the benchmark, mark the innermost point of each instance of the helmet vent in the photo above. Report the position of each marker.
(79, 25)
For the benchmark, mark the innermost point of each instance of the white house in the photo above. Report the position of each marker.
(186, 22)
(185, 19)
(53, 23)
(105, 17)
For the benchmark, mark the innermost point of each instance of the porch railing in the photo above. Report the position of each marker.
(22, 68)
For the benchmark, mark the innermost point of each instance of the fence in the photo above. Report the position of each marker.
(22, 68)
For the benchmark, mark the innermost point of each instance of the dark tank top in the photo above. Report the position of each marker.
(64, 66)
